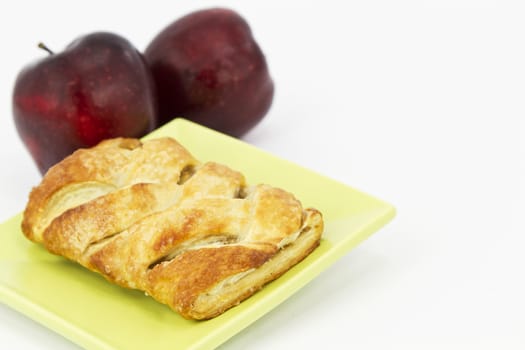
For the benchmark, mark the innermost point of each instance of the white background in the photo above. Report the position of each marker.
(421, 104)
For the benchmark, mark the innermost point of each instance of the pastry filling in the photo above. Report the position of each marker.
(214, 241)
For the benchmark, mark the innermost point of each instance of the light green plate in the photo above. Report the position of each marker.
(95, 314)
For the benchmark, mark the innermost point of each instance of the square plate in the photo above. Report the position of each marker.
(85, 308)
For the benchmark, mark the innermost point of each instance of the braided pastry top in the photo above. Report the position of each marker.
(148, 215)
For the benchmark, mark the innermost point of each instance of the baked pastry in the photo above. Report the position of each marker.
(149, 216)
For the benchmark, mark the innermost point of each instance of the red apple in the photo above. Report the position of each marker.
(99, 87)
(208, 68)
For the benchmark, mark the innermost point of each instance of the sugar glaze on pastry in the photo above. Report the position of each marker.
(149, 216)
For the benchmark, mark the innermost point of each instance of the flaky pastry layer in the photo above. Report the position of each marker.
(149, 216)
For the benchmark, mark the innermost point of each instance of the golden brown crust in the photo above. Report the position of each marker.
(150, 216)
(193, 272)
(110, 165)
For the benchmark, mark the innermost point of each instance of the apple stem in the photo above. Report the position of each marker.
(44, 47)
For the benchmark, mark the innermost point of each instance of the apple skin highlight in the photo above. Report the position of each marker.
(208, 68)
(97, 88)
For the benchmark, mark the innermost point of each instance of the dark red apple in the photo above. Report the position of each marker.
(99, 87)
(208, 68)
